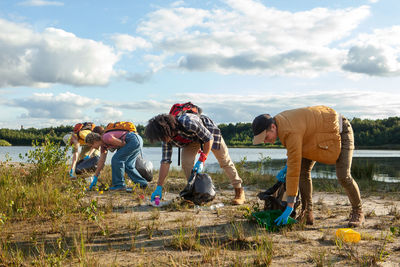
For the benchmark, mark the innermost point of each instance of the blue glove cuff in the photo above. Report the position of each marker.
(94, 182)
(282, 220)
(288, 209)
(281, 176)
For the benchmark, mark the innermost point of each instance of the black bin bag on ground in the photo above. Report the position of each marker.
(199, 189)
(87, 165)
(145, 168)
(275, 198)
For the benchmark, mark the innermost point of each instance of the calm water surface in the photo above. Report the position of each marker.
(387, 162)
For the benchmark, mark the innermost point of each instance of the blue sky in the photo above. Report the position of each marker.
(62, 62)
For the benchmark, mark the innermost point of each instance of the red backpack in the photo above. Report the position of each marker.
(188, 107)
(177, 110)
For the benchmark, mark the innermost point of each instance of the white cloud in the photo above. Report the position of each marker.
(224, 108)
(149, 105)
(44, 110)
(246, 36)
(240, 108)
(109, 113)
(47, 105)
(129, 43)
(376, 54)
(41, 3)
(178, 3)
(29, 58)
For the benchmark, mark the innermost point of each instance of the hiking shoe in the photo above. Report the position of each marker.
(356, 218)
(117, 188)
(239, 196)
(306, 217)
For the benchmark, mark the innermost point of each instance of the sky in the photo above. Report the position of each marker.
(64, 62)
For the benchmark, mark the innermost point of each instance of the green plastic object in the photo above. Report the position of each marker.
(267, 219)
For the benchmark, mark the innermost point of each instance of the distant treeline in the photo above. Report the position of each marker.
(381, 133)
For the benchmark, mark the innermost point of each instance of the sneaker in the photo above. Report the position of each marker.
(356, 218)
(117, 188)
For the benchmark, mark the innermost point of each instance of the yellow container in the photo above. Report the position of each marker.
(348, 235)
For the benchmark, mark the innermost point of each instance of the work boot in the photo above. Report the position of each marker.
(356, 218)
(306, 216)
(239, 196)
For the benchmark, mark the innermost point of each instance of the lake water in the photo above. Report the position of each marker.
(386, 162)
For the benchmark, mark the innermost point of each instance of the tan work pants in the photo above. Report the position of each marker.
(190, 151)
(343, 167)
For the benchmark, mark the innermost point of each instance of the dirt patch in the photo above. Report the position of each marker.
(128, 232)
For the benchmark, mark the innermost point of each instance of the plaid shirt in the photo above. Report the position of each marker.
(194, 129)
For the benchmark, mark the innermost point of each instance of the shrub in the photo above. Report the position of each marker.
(4, 143)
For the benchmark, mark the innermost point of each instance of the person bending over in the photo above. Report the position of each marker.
(189, 131)
(128, 146)
(312, 134)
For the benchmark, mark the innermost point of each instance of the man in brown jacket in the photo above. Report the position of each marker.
(312, 134)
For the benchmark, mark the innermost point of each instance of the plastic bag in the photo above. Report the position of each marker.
(267, 219)
(87, 165)
(275, 198)
(199, 189)
(145, 168)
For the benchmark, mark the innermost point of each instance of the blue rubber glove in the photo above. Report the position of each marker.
(71, 173)
(281, 176)
(86, 157)
(198, 167)
(94, 182)
(157, 192)
(283, 219)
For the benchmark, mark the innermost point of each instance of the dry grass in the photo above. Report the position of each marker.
(46, 219)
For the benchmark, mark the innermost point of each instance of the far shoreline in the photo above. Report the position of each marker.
(384, 147)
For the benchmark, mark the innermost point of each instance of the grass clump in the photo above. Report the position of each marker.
(39, 188)
(186, 238)
(4, 143)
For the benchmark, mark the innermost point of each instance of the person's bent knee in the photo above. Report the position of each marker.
(116, 162)
(345, 180)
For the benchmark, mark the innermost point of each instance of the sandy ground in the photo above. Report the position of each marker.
(132, 233)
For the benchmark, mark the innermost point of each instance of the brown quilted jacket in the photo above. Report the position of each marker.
(312, 133)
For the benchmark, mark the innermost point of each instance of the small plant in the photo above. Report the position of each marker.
(186, 239)
(134, 224)
(133, 243)
(92, 212)
(395, 230)
(264, 252)
(370, 214)
(394, 212)
(210, 250)
(46, 159)
(3, 218)
(262, 163)
(320, 258)
(151, 227)
(155, 214)
(364, 170)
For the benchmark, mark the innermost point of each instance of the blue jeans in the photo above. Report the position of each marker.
(124, 161)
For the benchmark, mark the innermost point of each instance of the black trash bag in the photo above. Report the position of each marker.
(199, 189)
(87, 165)
(275, 198)
(145, 168)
